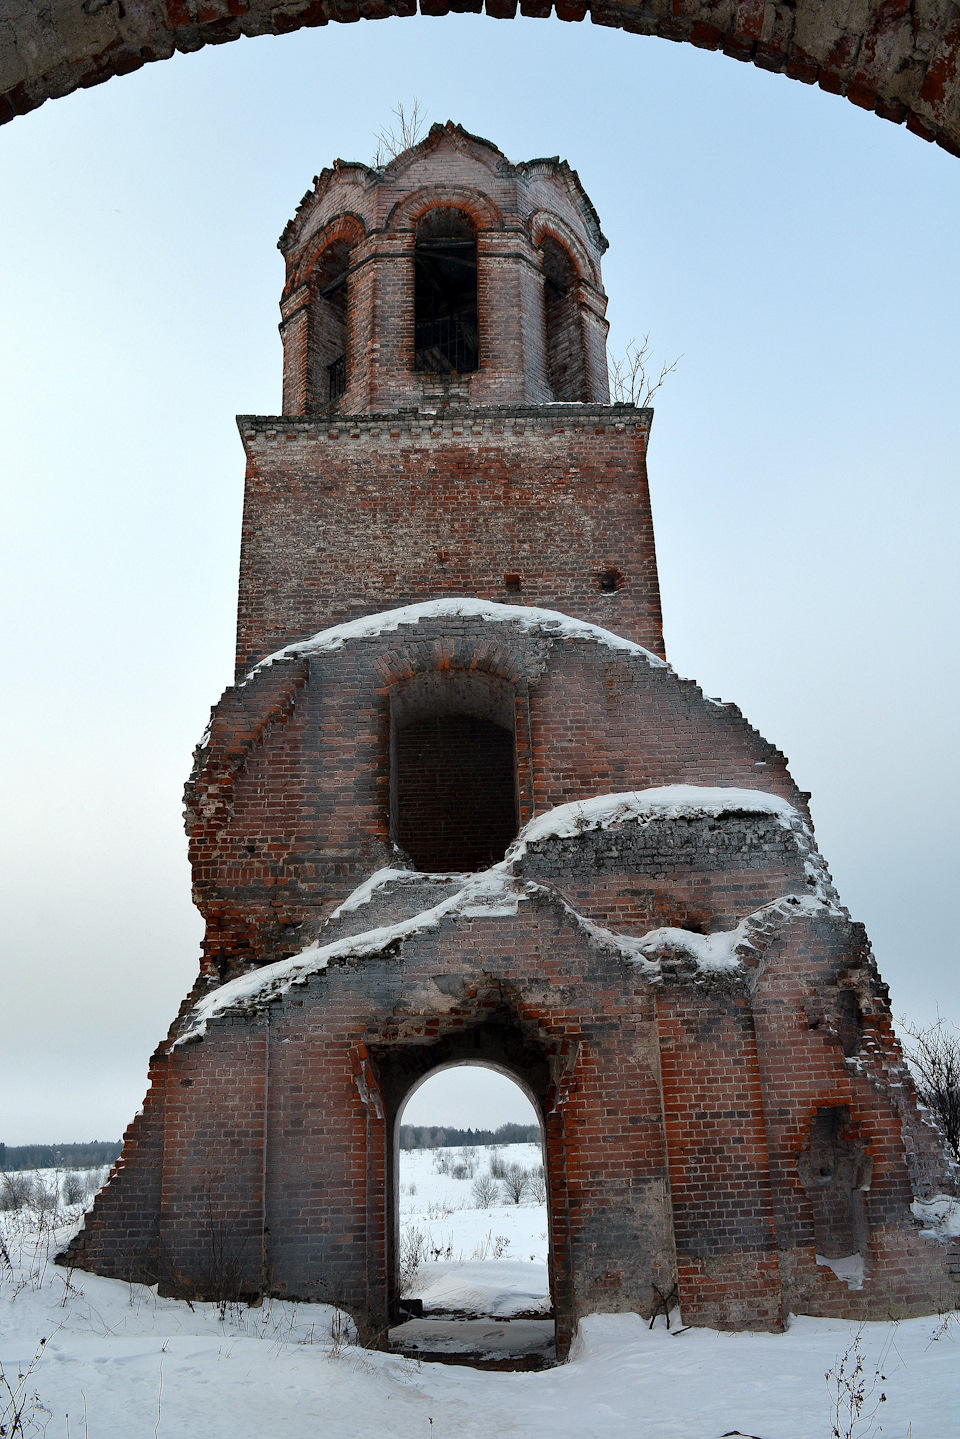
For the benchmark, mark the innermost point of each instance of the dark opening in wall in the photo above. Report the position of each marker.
(453, 770)
(446, 333)
(566, 368)
(327, 358)
(609, 581)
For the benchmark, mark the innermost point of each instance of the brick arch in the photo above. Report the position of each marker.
(477, 206)
(493, 1031)
(900, 61)
(543, 224)
(491, 650)
(348, 227)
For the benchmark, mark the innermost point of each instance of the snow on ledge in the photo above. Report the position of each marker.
(494, 892)
(498, 891)
(491, 892)
(526, 617)
(364, 893)
(672, 801)
(678, 801)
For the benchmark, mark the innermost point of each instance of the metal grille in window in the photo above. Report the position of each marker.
(444, 346)
(337, 373)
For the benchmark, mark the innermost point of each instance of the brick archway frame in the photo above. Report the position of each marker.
(904, 63)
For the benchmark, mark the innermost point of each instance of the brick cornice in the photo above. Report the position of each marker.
(451, 423)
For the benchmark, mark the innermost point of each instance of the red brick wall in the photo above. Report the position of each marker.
(288, 817)
(727, 1267)
(674, 1112)
(353, 516)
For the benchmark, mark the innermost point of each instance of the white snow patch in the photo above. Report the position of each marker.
(526, 617)
(136, 1365)
(849, 1268)
(940, 1215)
(710, 951)
(365, 892)
(674, 801)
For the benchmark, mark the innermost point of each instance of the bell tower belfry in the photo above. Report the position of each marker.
(447, 427)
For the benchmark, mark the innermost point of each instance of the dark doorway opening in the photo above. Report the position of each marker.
(454, 771)
(446, 334)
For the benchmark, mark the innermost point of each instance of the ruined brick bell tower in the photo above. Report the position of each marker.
(457, 808)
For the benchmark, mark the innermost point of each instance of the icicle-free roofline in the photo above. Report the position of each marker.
(526, 617)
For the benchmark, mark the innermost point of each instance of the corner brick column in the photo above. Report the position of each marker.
(727, 1267)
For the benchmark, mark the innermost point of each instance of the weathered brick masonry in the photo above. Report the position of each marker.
(522, 505)
(565, 861)
(901, 61)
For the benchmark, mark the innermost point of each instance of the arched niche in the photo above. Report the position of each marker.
(454, 802)
(327, 341)
(446, 336)
(566, 361)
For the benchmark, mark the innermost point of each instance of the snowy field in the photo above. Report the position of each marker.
(102, 1359)
(461, 1254)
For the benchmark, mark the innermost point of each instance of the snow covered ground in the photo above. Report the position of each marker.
(117, 1362)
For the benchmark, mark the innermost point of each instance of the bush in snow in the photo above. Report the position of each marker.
(933, 1055)
(74, 1188)
(486, 1191)
(15, 1191)
(411, 1252)
(498, 1165)
(515, 1182)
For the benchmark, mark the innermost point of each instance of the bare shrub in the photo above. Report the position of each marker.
(498, 1165)
(391, 141)
(853, 1395)
(631, 381)
(933, 1055)
(515, 1182)
(74, 1188)
(15, 1191)
(537, 1185)
(491, 1247)
(21, 1410)
(411, 1252)
(486, 1191)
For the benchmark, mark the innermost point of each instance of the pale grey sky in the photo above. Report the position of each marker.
(801, 254)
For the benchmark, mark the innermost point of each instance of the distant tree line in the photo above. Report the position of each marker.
(14, 1157)
(443, 1136)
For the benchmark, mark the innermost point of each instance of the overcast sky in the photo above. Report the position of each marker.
(799, 253)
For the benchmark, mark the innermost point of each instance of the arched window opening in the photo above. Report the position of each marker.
(328, 331)
(453, 770)
(446, 334)
(566, 369)
(472, 1222)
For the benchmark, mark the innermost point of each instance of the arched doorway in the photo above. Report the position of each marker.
(501, 1044)
(471, 1219)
